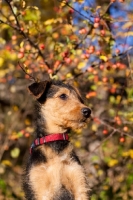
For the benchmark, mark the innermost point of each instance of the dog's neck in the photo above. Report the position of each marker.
(47, 129)
(53, 128)
(44, 127)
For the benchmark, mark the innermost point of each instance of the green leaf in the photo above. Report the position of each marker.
(32, 15)
(15, 152)
(94, 87)
(2, 184)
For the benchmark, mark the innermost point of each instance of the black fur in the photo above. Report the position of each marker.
(37, 157)
(75, 157)
(64, 195)
(58, 146)
(29, 193)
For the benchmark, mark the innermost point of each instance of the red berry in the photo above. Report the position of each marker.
(20, 55)
(122, 139)
(87, 55)
(21, 50)
(42, 46)
(82, 31)
(68, 60)
(92, 47)
(101, 67)
(27, 134)
(83, 56)
(28, 47)
(117, 51)
(22, 28)
(50, 71)
(90, 69)
(14, 37)
(114, 66)
(125, 128)
(23, 13)
(102, 32)
(97, 19)
(105, 79)
(98, 52)
(65, 54)
(105, 131)
(118, 64)
(113, 90)
(71, 11)
(96, 25)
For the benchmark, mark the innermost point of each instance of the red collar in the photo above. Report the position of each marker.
(49, 138)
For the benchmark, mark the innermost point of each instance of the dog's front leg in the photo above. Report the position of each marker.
(75, 181)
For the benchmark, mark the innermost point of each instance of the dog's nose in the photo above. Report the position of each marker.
(86, 112)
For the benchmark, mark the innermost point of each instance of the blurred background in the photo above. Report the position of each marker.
(88, 44)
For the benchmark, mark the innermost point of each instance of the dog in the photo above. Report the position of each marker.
(54, 171)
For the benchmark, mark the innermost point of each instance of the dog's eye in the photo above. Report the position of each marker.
(63, 96)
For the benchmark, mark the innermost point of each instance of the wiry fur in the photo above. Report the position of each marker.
(53, 171)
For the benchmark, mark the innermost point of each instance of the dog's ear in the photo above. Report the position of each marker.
(37, 89)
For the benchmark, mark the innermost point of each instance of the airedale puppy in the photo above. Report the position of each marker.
(53, 171)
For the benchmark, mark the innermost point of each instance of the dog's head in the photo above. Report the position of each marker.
(60, 104)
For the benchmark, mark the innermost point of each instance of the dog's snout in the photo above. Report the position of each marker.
(86, 112)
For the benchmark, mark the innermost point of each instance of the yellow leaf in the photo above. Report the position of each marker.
(53, 21)
(30, 129)
(105, 187)
(94, 127)
(22, 44)
(2, 41)
(125, 154)
(1, 61)
(104, 58)
(130, 33)
(79, 131)
(79, 52)
(78, 144)
(63, 3)
(7, 162)
(131, 153)
(27, 122)
(15, 108)
(127, 25)
(128, 153)
(2, 73)
(81, 65)
(100, 172)
(69, 75)
(112, 162)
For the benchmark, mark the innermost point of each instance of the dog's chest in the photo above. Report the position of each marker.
(48, 178)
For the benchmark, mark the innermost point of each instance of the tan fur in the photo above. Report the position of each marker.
(59, 170)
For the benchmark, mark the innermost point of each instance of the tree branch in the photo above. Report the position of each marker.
(18, 28)
(32, 77)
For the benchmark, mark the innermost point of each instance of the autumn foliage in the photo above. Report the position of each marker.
(88, 44)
